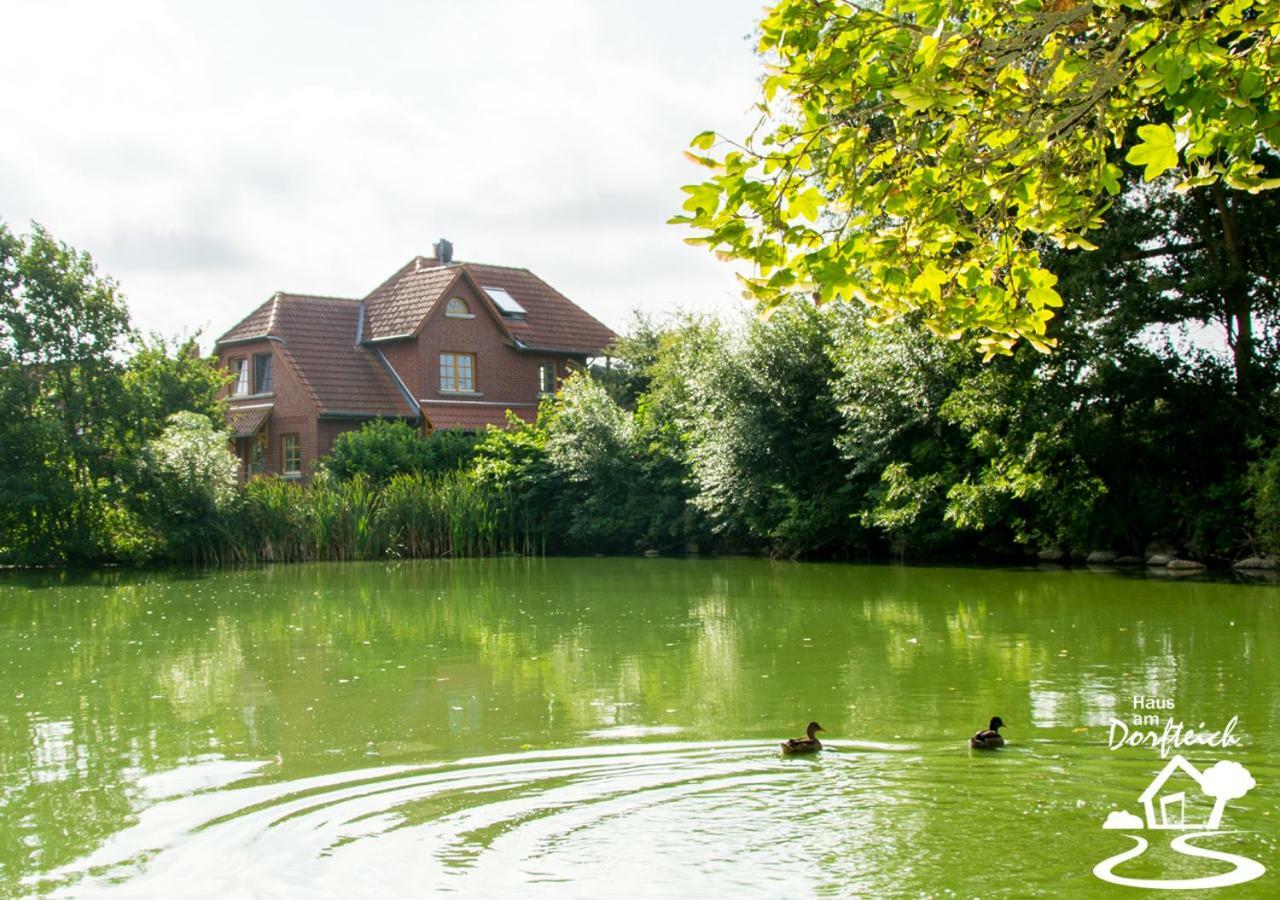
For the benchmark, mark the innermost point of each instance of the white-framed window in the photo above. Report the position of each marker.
(458, 372)
(458, 309)
(291, 455)
(240, 370)
(547, 378)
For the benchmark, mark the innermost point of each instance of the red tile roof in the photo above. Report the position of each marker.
(473, 416)
(255, 325)
(247, 422)
(397, 307)
(317, 335)
(552, 321)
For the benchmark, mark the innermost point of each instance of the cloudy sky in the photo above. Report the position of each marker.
(209, 154)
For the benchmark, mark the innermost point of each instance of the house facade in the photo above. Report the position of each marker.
(439, 344)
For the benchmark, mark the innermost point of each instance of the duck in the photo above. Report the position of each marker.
(989, 739)
(807, 744)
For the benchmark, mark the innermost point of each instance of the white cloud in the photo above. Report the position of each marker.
(211, 155)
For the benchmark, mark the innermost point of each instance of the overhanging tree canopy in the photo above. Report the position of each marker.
(911, 156)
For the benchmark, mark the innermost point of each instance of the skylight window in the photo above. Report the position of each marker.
(506, 303)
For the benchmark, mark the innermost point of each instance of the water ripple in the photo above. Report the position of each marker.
(660, 818)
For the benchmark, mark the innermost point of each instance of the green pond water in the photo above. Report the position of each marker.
(610, 727)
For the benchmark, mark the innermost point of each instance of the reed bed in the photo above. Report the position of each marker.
(411, 516)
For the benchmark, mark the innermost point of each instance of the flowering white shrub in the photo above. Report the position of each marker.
(194, 471)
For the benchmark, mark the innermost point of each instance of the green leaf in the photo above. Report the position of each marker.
(703, 198)
(1195, 181)
(704, 141)
(1251, 85)
(1077, 242)
(930, 282)
(806, 205)
(1157, 151)
(911, 97)
(1110, 178)
(1041, 297)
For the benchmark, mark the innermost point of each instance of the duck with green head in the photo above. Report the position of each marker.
(989, 739)
(807, 744)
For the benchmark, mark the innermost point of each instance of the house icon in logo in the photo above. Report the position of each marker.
(1167, 806)
(1166, 798)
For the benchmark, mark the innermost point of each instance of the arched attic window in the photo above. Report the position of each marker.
(458, 309)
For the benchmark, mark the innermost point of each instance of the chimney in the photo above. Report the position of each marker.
(444, 252)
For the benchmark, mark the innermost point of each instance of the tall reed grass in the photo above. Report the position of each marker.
(411, 516)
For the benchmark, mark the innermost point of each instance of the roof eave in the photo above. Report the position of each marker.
(346, 414)
(567, 351)
(234, 342)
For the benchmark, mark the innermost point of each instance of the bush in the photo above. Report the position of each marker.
(191, 477)
(382, 449)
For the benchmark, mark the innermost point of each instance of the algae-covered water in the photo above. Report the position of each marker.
(609, 727)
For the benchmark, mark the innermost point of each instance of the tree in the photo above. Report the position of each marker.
(917, 155)
(762, 423)
(1220, 262)
(595, 448)
(63, 329)
(76, 410)
(163, 377)
(1225, 780)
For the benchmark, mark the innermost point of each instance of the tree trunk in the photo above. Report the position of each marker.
(1238, 304)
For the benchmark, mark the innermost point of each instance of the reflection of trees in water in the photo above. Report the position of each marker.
(334, 665)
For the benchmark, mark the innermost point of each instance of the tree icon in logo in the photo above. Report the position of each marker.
(1225, 781)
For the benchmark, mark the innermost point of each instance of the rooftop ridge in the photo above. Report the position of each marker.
(293, 296)
(499, 266)
(395, 276)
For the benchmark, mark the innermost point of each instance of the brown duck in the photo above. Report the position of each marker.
(989, 739)
(807, 744)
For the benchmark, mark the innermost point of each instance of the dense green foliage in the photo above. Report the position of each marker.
(81, 395)
(382, 449)
(917, 155)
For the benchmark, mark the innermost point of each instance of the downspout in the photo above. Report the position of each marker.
(387, 367)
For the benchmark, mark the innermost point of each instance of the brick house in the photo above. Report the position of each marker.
(439, 344)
